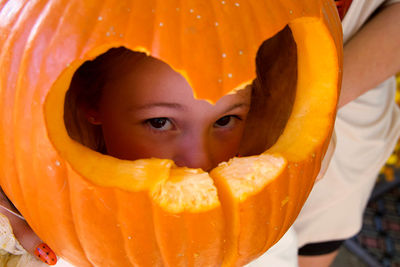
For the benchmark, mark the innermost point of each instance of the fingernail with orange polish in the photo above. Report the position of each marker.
(45, 254)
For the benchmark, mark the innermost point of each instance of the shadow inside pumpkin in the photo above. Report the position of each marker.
(273, 93)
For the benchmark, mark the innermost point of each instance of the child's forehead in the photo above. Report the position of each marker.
(152, 74)
(151, 80)
(152, 67)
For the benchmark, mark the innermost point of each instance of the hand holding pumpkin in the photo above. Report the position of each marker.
(25, 235)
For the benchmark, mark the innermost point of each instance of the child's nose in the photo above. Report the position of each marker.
(195, 153)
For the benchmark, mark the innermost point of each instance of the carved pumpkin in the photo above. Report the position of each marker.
(96, 210)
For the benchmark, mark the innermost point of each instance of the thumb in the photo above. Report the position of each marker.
(28, 239)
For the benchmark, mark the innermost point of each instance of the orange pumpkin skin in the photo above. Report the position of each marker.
(95, 210)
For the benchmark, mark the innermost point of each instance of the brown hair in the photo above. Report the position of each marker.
(86, 89)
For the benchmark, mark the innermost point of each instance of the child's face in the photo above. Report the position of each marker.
(152, 113)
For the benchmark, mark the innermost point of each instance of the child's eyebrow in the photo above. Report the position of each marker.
(237, 105)
(161, 104)
(181, 107)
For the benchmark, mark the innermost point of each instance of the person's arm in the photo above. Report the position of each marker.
(372, 55)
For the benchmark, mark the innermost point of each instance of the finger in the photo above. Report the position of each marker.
(29, 240)
(45, 254)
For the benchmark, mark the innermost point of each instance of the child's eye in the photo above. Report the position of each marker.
(160, 124)
(226, 121)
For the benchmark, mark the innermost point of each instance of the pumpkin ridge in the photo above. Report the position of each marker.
(37, 168)
(43, 15)
(13, 16)
(2, 4)
(4, 81)
(123, 236)
(233, 181)
(75, 220)
(190, 242)
(21, 143)
(77, 241)
(231, 218)
(69, 9)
